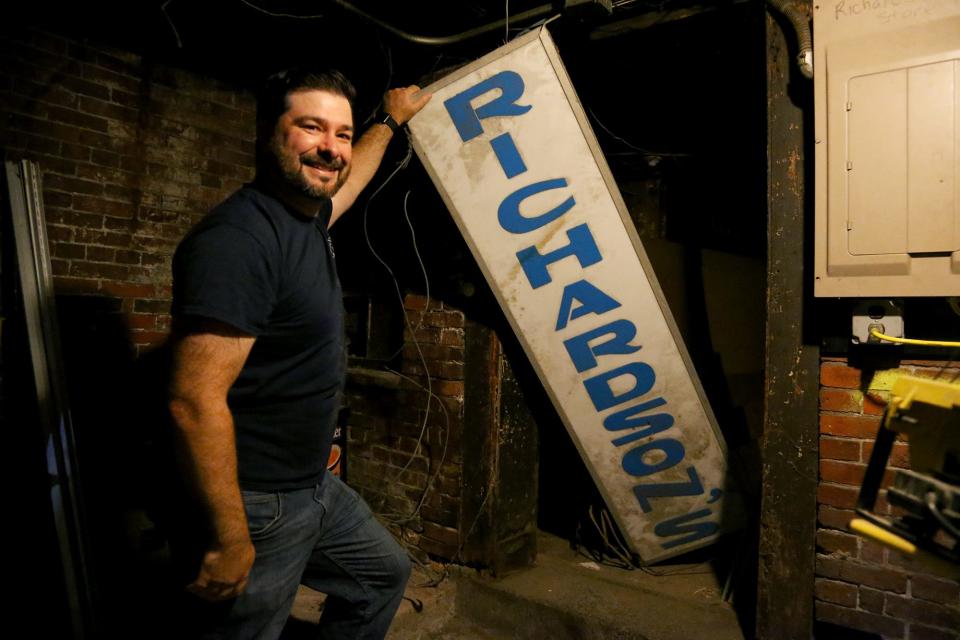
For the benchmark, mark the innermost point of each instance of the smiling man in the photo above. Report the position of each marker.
(258, 368)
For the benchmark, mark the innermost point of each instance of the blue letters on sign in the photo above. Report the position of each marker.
(634, 464)
(515, 222)
(629, 419)
(591, 300)
(678, 525)
(467, 119)
(508, 155)
(637, 424)
(582, 246)
(602, 396)
(584, 354)
(691, 487)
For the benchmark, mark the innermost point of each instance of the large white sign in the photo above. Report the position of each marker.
(509, 148)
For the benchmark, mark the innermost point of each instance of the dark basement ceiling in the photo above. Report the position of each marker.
(674, 88)
(240, 41)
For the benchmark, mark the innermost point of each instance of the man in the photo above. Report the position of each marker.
(258, 367)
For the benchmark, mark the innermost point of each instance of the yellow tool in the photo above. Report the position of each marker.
(927, 413)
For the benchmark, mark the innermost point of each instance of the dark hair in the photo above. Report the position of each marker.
(272, 98)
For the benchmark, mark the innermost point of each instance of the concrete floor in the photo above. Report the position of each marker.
(565, 596)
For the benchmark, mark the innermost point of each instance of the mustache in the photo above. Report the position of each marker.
(334, 164)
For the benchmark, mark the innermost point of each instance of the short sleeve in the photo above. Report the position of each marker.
(223, 272)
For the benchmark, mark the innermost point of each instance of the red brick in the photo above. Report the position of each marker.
(834, 518)
(424, 334)
(899, 455)
(59, 267)
(402, 460)
(452, 337)
(113, 63)
(875, 402)
(76, 118)
(105, 158)
(75, 285)
(923, 632)
(141, 321)
(448, 388)
(35, 143)
(151, 306)
(68, 250)
(128, 289)
(107, 110)
(55, 215)
(871, 599)
(842, 472)
(78, 85)
(147, 337)
(56, 199)
(128, 257)
(408, 478)
(935, 589)
(106, 238)
(149, 260)
(432, 352)
(101, 254)
(933, 614)
(877, 577)
(71, 185)
(444, 319)
(836, 541)
(837, 496)
(845, 400)
(872, 552)
(839, 449)
(98, 270)
(110, 78)
(443, 517)
(124, 98)
(834, 374)
(452, 370)
(58, 233)
(849, 426)
(861, 620)
(49, 93)
(75, 152)
(837, 592)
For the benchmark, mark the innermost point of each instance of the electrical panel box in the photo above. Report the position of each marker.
(887, 118)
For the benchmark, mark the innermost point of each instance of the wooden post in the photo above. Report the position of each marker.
(789, 450)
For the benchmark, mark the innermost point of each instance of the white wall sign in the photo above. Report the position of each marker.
(510, 150)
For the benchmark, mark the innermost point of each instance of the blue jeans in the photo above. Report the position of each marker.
(326, 538)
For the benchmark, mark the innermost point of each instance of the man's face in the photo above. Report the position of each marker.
(313, 142)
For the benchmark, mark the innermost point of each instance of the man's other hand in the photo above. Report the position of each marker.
(224, 572)
(404, 103)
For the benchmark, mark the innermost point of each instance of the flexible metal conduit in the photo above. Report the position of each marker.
(802, 27)
(435, 41)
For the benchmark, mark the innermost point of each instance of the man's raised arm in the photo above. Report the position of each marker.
(401, 104)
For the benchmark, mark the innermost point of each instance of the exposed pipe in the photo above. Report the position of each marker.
(437, 41)
(801, 25)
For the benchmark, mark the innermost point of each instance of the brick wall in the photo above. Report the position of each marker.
(411, 475)
(131, 155)
(860, 584)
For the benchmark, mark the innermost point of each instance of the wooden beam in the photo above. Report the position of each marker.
(789, 447)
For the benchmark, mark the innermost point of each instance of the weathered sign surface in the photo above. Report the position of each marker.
(509, 148)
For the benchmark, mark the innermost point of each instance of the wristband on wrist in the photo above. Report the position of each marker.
(387, 119)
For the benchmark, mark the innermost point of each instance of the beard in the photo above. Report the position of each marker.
(294, 170)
